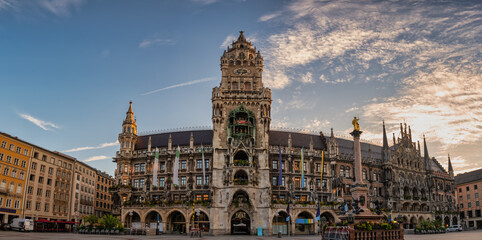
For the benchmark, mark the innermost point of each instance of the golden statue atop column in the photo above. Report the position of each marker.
(356, 126)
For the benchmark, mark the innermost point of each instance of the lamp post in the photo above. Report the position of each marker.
(323, 221)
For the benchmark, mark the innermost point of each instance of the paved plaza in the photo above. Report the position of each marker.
(467, 235)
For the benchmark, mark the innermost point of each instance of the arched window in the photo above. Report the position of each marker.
(347, 172)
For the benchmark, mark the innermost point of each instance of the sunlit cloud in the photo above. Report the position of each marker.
(181, 85)
(96, 158)
(47, 126)
(268, 17)
(155, 41)
(103, 145)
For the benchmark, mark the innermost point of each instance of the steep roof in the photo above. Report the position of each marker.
(468, 177)
(178, 138)
(346, 147)
(297, 139)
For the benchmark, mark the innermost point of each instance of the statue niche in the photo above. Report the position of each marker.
(241, 125)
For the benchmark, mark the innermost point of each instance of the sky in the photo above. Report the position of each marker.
(68, 69)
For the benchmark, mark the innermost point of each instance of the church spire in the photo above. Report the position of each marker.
(426, 158)
(129, 114)
(451, 170)
(385, 139)
(241, 37)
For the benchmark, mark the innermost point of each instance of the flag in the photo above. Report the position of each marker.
(176, 167)
(318, 213)
(280, 166)
(155, 168)
(322, 168)
(302, 170)
(193, 212)
(288, 211)
(203, 165)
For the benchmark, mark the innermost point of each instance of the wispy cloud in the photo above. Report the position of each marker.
(155, 41)
(103, 145)
(227, 41)
(61, 7)
(181, 85)
(47, 126)
(205, 2)
(268, 17)
(6, 4)
(96, 158)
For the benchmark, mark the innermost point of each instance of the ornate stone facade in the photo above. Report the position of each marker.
(236, 188)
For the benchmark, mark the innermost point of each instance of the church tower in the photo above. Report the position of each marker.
(128, 137)
(241, 114)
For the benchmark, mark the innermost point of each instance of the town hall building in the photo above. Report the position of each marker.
(229, 176)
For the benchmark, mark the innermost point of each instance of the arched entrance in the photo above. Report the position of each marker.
(240, 223)
(133, 220)
(413, 222)
(330, 219)
(446, 221)
(279, 223)
(176, 222)
(153, 220)
(201, 221)
(454, 221)
(304, 223)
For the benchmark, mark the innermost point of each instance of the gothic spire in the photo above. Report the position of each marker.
(129, 114)
(451, 170)
(241, 37)
(385, 139)
(426, 158)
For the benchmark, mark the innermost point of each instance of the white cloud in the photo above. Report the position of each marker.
(47, 126)
(316, 124)
(155, 41)
(181, 85)
(5, 4)
(103, 145)
(351, 109)
(227, 41)
(60, 7)
(268, 17)
(205, 2)
(96, 158)
(307, 78)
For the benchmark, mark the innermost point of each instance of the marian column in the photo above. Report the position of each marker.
(359, 189)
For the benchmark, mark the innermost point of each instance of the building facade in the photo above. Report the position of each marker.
(83, 191)
(241, 175)
(103, 200)
(48, 185)
(468, 189)
(14, 162)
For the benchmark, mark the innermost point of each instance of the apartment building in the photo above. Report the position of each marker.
(103, 199)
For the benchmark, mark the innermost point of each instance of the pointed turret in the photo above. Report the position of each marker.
(241, 37)
(451, 170)
(128, 137)
(426, 158)
(385, 139)
(129, 114)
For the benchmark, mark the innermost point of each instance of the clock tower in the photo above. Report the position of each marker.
(241, 117)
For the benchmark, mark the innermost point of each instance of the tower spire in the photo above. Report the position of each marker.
(425, 154)
(451, 170)
(129, 114)
(385, 144)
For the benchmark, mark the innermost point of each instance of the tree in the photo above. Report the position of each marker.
(92, 219)
(109, 222)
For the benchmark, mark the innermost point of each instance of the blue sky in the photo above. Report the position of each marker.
(68, 69)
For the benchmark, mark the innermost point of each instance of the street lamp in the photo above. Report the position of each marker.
(323, 221)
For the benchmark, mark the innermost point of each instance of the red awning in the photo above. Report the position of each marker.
(43, 221)
(60, 221)
(70, 222)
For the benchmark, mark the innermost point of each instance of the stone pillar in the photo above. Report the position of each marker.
(359, 189)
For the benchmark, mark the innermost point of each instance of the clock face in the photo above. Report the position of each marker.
(241, 71)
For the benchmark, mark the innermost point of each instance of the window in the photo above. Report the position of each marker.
(304, 167)
(37, 206)
(141, 182)
(21, 175)
(143, 167)
(469, 214)
(283, 165)
(304, 183)
(467, 188)
(30, 189)
(163, 166)
(16, 161)
(282, 181)
(161, 182)
(46, 207)
(469, 204)
(49, 181)
(318, 166)
(476, 195)
(39, 192)
(16, 204)
(347, 172)
(199, 165)
(475, 187)
(342, 171)
(324, 168)
(1, 156)
(297, 166)
(477, 203)
(4, 144)
(8, 203)
(207, 180)
(19, 150)
(460, 189)
(206, 164)
(183, 181)
(11, 147)
(24, 164)
(28, 205)
(198, 197)
(199, 180)
(41, 179)
(25, 152)
(297, 182)
(364, 174)
(136, 168)
(47, 193)
(51, 171)
(5, 171)
(9, 159)
(14, 173)
(183, 164)
(42, 168)
(275, 164)
(468, 196)
(275, 181)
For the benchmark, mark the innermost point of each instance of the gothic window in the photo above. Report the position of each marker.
(347, 172)
(241, 123)
(342, 171)
(241, 178)
(364, 174)
(275, 164)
